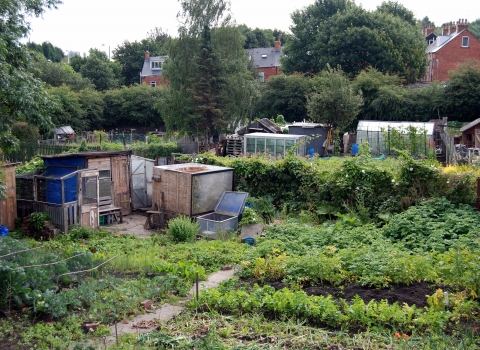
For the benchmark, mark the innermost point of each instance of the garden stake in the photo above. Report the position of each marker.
(196, 285)
(116, 333)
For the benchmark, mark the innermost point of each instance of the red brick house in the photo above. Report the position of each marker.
(445, 52)
(151, 73)
(267, 60)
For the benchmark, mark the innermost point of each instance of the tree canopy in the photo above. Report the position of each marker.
(334, 102)
(338, 32)
(22, 97)
(212, 84)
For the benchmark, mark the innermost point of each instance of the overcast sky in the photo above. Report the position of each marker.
(78, 25)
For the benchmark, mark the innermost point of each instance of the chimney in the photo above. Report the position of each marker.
(278, 44)
(428, 29)
(147, 55)
(445, 29)
(461, 25)
(452, 29)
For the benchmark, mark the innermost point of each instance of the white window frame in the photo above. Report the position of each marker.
(153, 83)
(467, 40)
(156, 65)
(261, 77)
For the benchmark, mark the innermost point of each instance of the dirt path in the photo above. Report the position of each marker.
(156, 316)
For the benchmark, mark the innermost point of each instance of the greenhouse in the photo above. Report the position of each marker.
(383, 136)
(273, 144)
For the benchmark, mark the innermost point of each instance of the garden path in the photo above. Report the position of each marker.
(132, 224)
(155, 316)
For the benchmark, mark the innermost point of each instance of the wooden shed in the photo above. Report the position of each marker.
(8, 206)
(79, 188)
(471, 134)
(189, 189)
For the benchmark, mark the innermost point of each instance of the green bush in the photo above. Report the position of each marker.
(183, 229)
(156, 149)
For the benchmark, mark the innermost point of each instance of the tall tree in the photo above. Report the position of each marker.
(212, 84)
(22, 97)
(52, 53)
(356, 39)
(462, 92)
(334, 102)
(398, 10)
(285, 95)
(300, 53)
(102, 72)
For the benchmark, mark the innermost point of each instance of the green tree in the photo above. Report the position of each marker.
(92, 104)
(103, 73)
(474, 28)
(133, 106)
(285, 95)
(212, 84)
(370, 81)
(22, 97)
(462, 92)
(69, 110)
(57, 74)
(50, 52)
(398, 10)
(25, 132)
(300, 50)
(334, 102)
(355, 39)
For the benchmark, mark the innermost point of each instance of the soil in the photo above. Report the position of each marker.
(414, 294)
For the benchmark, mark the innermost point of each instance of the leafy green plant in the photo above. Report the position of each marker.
(38, 219)
(183, 229)
(249, 217)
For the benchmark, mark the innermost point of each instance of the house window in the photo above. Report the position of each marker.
(153, 83)
(261, 77)
(465, 40)
(156, 65)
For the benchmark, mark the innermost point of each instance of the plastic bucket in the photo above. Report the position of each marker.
(354, 149)
(311, 152)
(249, 240)
(3, 231)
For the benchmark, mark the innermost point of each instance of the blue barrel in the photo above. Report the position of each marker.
(3, 231)
(354, 149)
(311, 152)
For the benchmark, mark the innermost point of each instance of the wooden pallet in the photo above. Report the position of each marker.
(234, 147)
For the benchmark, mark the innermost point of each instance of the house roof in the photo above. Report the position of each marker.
(470, 125)
(442, 40)
(147, 70)
(265, 57)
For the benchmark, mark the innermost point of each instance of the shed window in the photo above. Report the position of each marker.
(465, 41)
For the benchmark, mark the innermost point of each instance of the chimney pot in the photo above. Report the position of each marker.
(147, 55)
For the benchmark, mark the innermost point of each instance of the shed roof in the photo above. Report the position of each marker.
(377, 125)
(470, 125)
(265, 57)
(89, 154)
(64, 130)
(273, 136)
(307, 125)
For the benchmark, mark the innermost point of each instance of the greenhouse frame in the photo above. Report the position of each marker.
(379, 134)
(273, 144)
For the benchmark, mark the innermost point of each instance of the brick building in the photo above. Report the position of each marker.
(151, 73)
(445, 52)
(267, 60)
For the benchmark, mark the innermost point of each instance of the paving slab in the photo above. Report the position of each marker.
(132, 224)
(152, 320)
